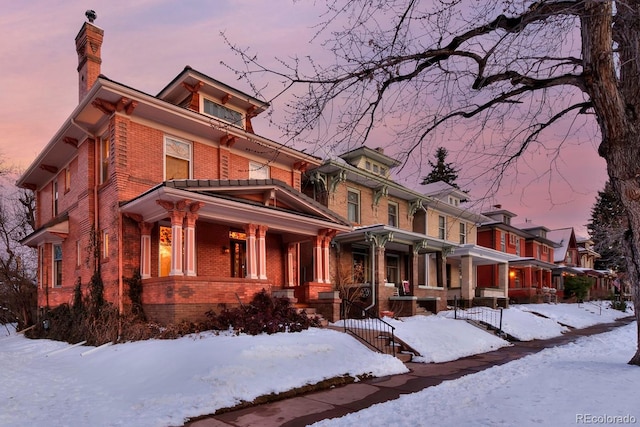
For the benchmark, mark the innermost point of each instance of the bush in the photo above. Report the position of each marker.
(619, 304)
(578, 286)
(264, 314)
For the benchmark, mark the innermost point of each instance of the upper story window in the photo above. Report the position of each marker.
(393, 214)
(517, 245)
(223, 113)
(258, 171)
(67, 179)
(503, 245)
(454, 201)
(353, 206)
(104, 159)
(463, 233)
(177, 156)
(442, 227)
(54, 198)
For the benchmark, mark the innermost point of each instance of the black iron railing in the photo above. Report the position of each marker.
(486, 316)
(368, 327)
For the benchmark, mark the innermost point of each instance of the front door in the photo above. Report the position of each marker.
(238, 258)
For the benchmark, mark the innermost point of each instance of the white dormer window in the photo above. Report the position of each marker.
(454, 201)
(223, 113)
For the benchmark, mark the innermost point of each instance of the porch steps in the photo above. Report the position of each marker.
(421, 311)
(383, 341)
(311, 314)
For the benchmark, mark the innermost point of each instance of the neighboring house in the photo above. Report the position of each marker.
(178, 187)
(602, 279)
(530, 270)
(408, 248)
(565, 256)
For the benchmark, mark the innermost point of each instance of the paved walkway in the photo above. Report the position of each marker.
(309, 408)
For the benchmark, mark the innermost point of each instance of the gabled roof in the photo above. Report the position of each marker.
(269, 201)
(175, 92)
(563, 238)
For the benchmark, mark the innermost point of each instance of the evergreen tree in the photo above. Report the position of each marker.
(441, 170)
(607, 228)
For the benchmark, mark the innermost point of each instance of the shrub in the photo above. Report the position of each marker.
(578, 286)
(264, 314)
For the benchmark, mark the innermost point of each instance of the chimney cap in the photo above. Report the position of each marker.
(91, 15)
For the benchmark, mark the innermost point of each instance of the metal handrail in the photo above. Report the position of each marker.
(487, 315)
(368, 327)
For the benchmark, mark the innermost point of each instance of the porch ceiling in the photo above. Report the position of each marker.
(399, 240)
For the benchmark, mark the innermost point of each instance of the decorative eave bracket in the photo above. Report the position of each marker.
(379, 240)
(378, 193)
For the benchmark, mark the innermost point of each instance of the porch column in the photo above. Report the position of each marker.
(145, 249)
(415, 277)
(503, 278)
(252, 258)
(291, 251)
(190, 238)
(326, 243)
(528, 277)
(262, 251)
(318, 276)
(467, 289)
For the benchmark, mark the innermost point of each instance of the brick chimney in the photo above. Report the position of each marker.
(88, 44)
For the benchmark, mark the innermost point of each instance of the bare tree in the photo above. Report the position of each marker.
(510, 75)
(18, 293)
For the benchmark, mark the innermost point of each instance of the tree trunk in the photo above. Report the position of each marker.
(614, 92)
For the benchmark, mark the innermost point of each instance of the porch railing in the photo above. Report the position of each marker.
(368, 327)
(486, 316)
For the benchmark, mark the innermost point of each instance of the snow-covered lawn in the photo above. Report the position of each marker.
(161, 383)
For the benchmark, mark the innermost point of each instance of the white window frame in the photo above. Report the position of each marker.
(259, 170)
(396, 222)
(176, 155)
(357, 205)
(463, 233)
(105, 153)
(442, 227)
(54, 266)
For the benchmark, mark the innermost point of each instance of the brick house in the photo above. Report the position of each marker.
(179, 187)
(530, 271)
(408, 248)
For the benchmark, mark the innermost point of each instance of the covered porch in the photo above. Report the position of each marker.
(205, 243)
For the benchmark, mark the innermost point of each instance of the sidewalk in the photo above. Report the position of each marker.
(336, 402)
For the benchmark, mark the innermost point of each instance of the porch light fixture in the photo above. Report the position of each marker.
(225, 249)
(512, 274)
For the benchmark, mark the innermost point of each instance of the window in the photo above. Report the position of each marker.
(353, 206)
(177, 159)
(222, 113)
(463, 233)
(454, 201)
(393, 214)
(54, 190)
(367, 165)
(78, 253)
(545, 249)
(105, 244)
(375, 168)
(517, 245)
(67, 180)
(104, 160)
(360, 267)
(503, 244)
(393, 271)
(442, 227)
(383, 171)
(165, 251)
(57, 266)
(258, 171)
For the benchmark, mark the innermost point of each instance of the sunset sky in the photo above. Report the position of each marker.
(148, 42)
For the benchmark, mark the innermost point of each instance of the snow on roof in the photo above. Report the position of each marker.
(562, 237)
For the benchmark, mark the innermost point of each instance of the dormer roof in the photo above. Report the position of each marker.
(353, 157)
(178, 91)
